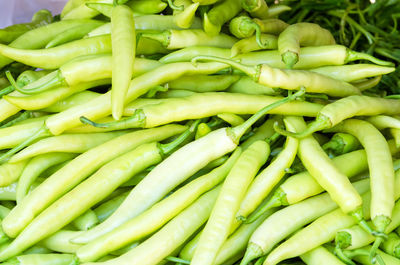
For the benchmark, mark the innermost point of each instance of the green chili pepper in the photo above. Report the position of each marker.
(43, 259)
(104, 210)
(246, 85)
(184, 18)
(250, 44)
(150, 22)
(304, 34)
(203, 83)
(310, 57)
(35, 167)
(56, 96)
(102, 8)
(392, 245)
(187, 54)
(14, 135)
(232, 119)
(219, 14)
(313, 257)
(59, 241)
(69, 5)
(10, 33)
(291, 79)
(7, 193)
(351, 73)
(39, 37)
(176, 39)
(123, 40)
(276, 10)
(96, 67)
(341, 143)
(55, 57)
(332, 114)
(74, 33)
(369, 83)
(201, 105)
(382, 122)
(202, 130)
(68, 143)
(256, 8)
(271, 25)
(86, 221)
(10, 172)
(139, 7)
(71, 101)
(81, 11)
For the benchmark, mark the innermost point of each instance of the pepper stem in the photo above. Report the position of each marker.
(177, 260)
(374, 248)
(353, 56)
(11, 79)
(258, 36)
(163, 37)
(260, 261)
(278, 199)
(380, 222)
(273, 138)
(137, 120)
(320, 123)
(42, 132)
(170, 147)
(238, 131)
(339, 253)
(175, 7)
(20, 117)
(6, 90)
(253, 71)
(364, 252)
(290, 59)
(356, 252)
(333, 147)
(343, 239)
(49, 81)
(359, 217)
(253, 251)
(249, 5)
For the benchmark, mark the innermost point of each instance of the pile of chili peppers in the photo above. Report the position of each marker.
(201, 132)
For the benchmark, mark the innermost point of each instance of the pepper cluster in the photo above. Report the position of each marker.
(193, 132)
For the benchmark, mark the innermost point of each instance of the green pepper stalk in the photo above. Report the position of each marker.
(256, 8)
(244, 27)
